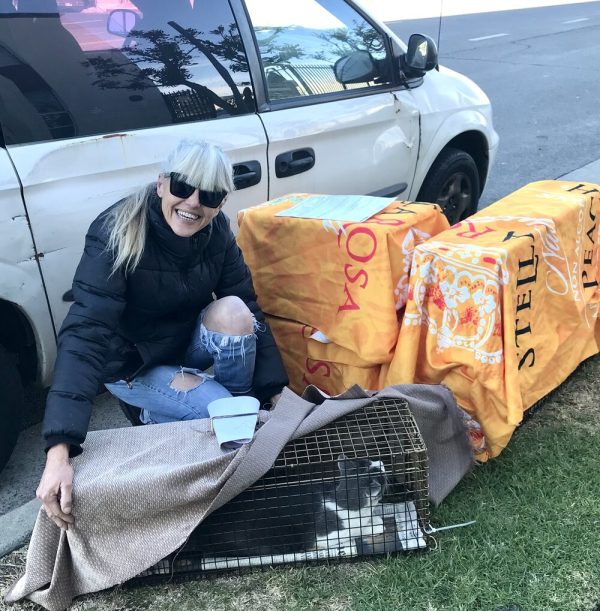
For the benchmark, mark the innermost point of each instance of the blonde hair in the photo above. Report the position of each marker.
(202, 164)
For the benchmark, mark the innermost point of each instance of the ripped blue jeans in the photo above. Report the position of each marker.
(232, 358)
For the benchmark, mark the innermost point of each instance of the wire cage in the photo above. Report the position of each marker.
(356, 487)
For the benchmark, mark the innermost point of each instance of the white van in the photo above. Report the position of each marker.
(305, 96)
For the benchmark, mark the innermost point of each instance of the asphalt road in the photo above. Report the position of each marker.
(540, 68)
(541, 71)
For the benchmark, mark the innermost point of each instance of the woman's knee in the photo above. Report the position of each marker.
(186, 381)
(229, 315)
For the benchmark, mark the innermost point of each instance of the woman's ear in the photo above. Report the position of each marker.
(160, 185)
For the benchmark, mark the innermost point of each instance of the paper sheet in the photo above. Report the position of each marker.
(355, 208)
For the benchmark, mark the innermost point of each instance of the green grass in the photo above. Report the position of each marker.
(535, 546)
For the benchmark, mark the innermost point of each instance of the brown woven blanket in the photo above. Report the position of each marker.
(139, 492)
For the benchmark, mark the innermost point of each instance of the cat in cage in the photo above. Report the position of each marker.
(281, 518)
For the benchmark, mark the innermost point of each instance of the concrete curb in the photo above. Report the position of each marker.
(587, 173)
(16, 526)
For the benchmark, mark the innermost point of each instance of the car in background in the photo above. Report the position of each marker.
(306, 96)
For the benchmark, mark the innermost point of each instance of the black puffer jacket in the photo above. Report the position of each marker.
(119, 324)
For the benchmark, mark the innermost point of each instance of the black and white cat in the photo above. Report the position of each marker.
(291, 517)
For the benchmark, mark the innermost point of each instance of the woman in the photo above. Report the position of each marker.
(145, 321)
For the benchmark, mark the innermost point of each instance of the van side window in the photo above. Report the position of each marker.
(76, 68)
(313, 47)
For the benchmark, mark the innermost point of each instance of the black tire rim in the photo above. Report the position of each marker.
(456, 196)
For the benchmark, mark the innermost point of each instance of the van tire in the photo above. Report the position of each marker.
(453, 183)
(12, 400)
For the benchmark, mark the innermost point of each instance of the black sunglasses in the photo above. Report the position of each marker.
(179, 188)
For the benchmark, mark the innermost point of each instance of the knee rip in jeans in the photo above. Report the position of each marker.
(215, 341)
(184, 381)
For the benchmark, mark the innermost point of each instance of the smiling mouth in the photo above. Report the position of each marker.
(187, 216)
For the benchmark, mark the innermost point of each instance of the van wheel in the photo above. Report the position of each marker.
(453, 183)
(12, 401)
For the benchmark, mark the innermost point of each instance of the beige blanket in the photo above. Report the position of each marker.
(139, 492)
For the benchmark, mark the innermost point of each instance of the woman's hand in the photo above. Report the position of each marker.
(56, 486)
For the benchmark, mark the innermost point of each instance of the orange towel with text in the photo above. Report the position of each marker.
(503, 306)
(308, 360)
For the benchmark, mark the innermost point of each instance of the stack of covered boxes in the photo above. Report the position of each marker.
(334, 291)
(501, 307)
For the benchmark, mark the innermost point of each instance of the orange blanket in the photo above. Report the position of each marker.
(503, 306)
(310, 361)
(349, 280)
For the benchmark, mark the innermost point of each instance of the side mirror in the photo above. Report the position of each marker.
(421, 55)
(357, 67)
(121, 22)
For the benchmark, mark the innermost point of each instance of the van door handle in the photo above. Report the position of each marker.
(295, 162)
(246, 174)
